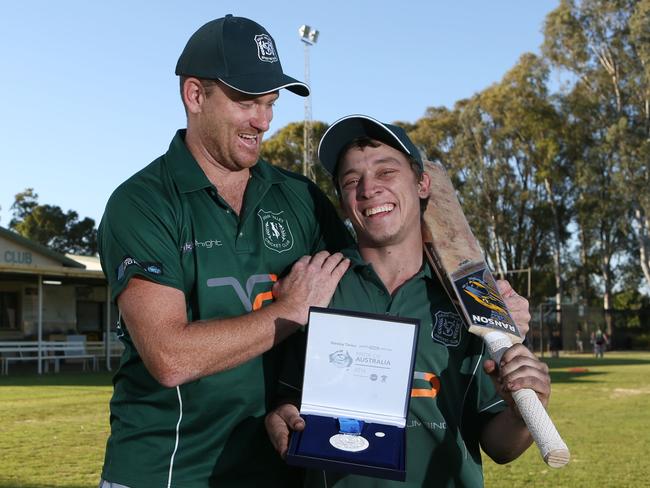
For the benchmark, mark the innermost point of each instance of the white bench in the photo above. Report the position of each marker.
(98, 348)
(28, 351)
(71, 349)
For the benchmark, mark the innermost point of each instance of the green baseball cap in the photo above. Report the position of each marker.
(351, 127)
(240, 53)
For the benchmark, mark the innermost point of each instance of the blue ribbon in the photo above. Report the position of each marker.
(350, 426)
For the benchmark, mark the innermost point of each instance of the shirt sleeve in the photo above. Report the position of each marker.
(137, 238)
(489, 402)
(483, 401)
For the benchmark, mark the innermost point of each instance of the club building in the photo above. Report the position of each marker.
(47, 296)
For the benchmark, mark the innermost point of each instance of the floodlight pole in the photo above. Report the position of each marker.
(309, 37)
(307, 132)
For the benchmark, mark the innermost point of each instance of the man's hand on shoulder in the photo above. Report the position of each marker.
(311, 281)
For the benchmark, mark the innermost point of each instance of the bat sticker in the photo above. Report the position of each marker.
(483, 303)
(483, 294)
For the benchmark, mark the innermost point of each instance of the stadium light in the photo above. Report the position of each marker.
(309, 36)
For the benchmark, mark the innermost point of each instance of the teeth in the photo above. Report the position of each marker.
(383, 208)
(248, 136)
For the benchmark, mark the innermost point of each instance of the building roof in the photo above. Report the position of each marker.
(44, 261)
(91, 263)
(40, 249)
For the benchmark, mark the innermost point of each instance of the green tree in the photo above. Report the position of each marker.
(604, 45)
(532, 126)
(636, 165)
(578, 113)
(495, 146)
(50, 226)
(24, 203)
(436, 133)
(285, 149)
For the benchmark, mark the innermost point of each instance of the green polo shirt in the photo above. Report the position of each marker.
(451, 398)
(169, 224)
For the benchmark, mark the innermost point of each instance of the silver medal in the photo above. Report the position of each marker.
(350, 443)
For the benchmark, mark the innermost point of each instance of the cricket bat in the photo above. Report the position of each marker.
(455, 255)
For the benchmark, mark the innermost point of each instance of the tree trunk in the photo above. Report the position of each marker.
(584, 281)
(607, 296)
(498, 263)
(584, 272)
(643, 236)
(557, 250)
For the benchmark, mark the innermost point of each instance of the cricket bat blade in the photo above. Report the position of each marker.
(456, 257)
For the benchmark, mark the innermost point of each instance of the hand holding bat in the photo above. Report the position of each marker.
(519, 369)
(455, 255)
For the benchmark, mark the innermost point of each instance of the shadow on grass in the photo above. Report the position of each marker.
(572, 377)
(101, 378)
(590, 361)
(577, 367)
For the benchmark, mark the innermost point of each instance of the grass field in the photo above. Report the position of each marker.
(603, 415)
(54, 427)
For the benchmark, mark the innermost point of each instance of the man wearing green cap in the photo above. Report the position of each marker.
(192, 246)
(455, 407)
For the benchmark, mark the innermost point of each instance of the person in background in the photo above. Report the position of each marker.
(600, 342)
(579, 343)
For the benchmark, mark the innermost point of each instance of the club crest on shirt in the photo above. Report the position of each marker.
(276, 233)
(447, 328)
(265, 48)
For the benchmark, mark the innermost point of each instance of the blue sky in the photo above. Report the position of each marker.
(88, 94)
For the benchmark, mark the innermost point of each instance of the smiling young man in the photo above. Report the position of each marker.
(192, 246)
(455, 408)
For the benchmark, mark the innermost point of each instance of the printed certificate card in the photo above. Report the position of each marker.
(356, 390)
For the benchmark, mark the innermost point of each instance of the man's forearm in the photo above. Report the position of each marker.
(178, 353)
(175, 351)
(505, 437)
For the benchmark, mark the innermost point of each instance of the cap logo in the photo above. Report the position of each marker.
(265, 48)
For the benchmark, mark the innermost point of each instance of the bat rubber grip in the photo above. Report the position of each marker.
(553, 449)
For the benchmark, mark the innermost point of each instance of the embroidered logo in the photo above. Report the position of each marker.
(127, 262)
(154, 269)
(276, 233)
(207, 244)
(265, 48)
(447, 328)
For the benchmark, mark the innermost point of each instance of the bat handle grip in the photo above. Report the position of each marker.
(553, 449)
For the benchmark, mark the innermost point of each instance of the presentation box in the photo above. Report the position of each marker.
(356, 391)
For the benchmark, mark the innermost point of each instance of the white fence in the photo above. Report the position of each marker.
(45, 353)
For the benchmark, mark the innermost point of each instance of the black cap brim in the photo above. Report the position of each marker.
(351, 127)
